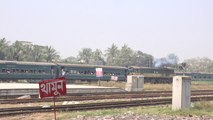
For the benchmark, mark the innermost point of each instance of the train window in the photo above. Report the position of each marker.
(22, 71)
(8, 71)
(81, 72)
(118, 73)
(31, 71)
(209, 77)
(76, 72)
(3, 70)
(72, 71)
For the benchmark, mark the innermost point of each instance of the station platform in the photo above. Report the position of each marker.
(33, 89)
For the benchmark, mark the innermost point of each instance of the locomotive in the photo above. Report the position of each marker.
(34, 71)
(153, 75)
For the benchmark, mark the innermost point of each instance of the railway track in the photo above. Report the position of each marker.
(101, 96)
(34, 95)
(94, 106)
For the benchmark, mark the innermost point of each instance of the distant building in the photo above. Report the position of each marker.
(25, 42)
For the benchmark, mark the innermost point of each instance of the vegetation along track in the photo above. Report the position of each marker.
(101, 96)
(91, 106)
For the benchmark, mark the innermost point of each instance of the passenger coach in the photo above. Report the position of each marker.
(13, 70)
(33, 71)
(88, 72)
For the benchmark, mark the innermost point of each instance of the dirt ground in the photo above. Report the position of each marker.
(125, 116)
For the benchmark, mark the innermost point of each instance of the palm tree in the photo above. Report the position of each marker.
(51, 54)
(111, 54)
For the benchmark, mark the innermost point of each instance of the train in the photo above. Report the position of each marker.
(153, 75)
(196, 76)
(35, 71)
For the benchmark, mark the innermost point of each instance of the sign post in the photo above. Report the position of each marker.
(52, 88)
(54, 107)
(99, 73)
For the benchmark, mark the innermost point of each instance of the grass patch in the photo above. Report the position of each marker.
(203, 82)
(149, 86)
(198, 109)
(195, 85)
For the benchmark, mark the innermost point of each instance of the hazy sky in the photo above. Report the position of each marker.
(157, 27)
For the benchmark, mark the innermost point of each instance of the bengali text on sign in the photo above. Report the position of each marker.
(52, 87)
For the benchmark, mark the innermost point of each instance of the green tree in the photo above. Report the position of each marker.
(111, 54)
(199, 65)
(17, 51)
(125, 56)
(71, 60)
(28, 52)
(38, 53)
(142, 59)
(51, 54)
(3, 48)
(85, 55)
(98, 57)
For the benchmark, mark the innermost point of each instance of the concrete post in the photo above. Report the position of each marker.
(134, 83)
(181, 92)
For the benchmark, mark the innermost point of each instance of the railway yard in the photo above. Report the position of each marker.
(22, 100)
(106, 60)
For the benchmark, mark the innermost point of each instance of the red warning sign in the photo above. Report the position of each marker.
(52, 87)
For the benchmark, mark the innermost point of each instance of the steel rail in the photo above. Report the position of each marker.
(99, 97)
(83, 94)
(91, 106)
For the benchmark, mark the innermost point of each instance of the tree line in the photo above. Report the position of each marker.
(25, 51)
(112, 56)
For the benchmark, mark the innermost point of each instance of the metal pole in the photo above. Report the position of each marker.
(54, 107)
